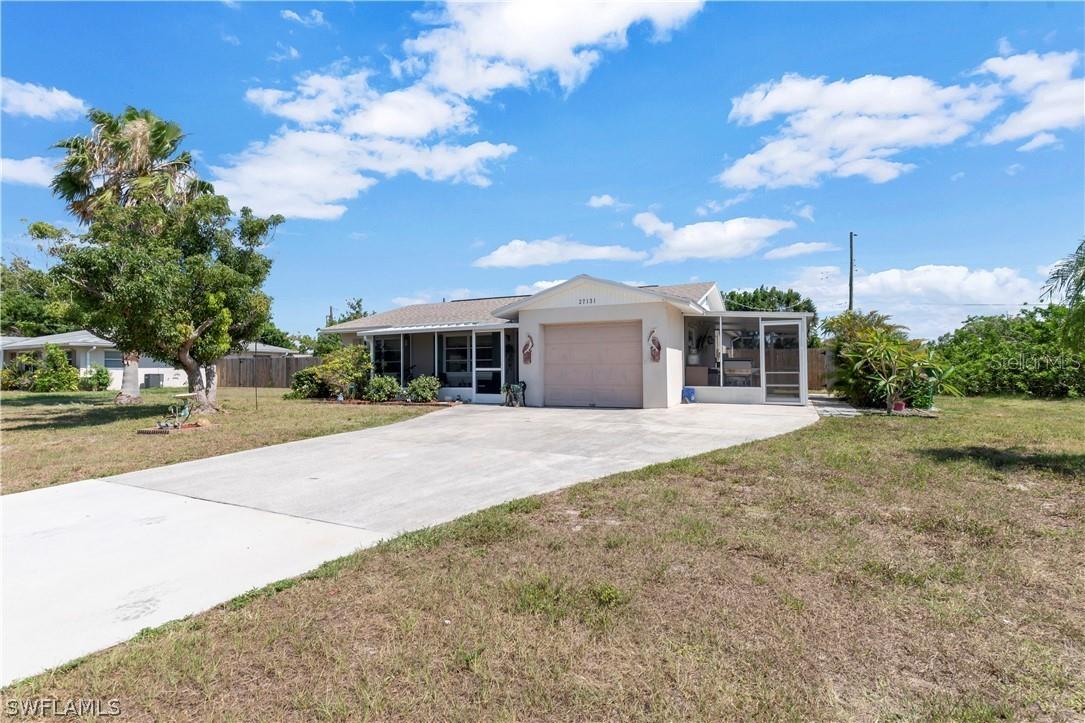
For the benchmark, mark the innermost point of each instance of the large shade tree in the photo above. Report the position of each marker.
(127, 159)
(771, 298)
(29, 303)
(181, 283)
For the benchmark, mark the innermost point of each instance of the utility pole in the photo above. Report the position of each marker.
(851, 269)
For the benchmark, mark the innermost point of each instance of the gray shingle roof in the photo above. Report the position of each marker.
(693, 292)
(68, 338)
(480, 311)
(467, 311)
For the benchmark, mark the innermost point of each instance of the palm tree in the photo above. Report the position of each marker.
(1067, 281)
(127, 159)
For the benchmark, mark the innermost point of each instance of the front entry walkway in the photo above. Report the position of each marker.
(90, 564)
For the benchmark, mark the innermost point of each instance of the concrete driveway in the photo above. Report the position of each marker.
(89, 564)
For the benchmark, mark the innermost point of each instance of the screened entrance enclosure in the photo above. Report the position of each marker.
(746, 358)
(471, 364)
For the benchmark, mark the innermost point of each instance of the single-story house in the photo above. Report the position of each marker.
(590, 342)
(256, 348)
(85, 349)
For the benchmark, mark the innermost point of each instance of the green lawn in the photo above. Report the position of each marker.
(52, 438)
(876, 568)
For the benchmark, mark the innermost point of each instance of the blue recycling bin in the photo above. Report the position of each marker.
(689, 395)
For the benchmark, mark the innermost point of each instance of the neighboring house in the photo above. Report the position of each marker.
(85, 349)
(590, 342)
(254, 348)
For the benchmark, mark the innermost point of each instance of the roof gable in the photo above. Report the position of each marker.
(587, 290)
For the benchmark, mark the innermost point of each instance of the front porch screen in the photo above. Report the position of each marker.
(387, 355)
(488, 362)
(454, 360)
(723, 352)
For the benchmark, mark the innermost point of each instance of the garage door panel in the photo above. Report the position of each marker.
(596, 365)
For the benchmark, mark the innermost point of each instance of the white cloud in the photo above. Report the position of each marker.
(806, 211)
(712, 207)
(314, 19)
(801, 248)
(348, 130)
(230, 39)
(957, 176)
(850, 127)
(1005, 47)
(529, 289)
(729, 239)
(929, 299)
(556, 250)
(602, 201)
(316, 98)
(33, 171)
(308, 173)
(1053, 98)
(1013, 169)
(37, 101)
(284, 52)
(413, 112)
(481, 48)
(1040, 140)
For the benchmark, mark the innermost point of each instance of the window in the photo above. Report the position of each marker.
(454, 360)
(114, 360)
(457, 354)
(488, 350)
(386, 355)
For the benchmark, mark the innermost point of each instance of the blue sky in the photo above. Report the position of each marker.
(423, 152)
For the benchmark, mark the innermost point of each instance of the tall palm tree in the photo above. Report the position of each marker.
(1067, 281)
(127, 159)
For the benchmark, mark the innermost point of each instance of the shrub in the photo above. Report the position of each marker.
(383, 389)
(307, 384)
(95, 381)
(878, 367)
(345, 371)
(423, 389)
(1022, 354)
(18, 374)
(55, 374)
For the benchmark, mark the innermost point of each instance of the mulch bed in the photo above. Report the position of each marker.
(169, 430)
(396, 403)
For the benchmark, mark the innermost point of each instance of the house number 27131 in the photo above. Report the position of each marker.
(590, 300)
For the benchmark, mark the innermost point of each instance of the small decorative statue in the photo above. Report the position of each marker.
(655, 348)
(526, 350)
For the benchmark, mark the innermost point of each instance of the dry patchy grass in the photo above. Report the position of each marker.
(873, 568)
(48, 439)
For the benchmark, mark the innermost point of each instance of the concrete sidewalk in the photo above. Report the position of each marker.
(89, 564)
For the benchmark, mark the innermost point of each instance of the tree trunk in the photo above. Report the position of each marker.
(129, 393)
(199, 404)
(211, 383)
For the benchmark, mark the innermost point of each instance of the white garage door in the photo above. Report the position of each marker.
(593, 365)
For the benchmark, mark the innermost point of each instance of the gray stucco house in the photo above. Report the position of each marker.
(591, 342)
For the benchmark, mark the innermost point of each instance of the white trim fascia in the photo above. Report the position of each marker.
(393, 330)
(759, 314)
